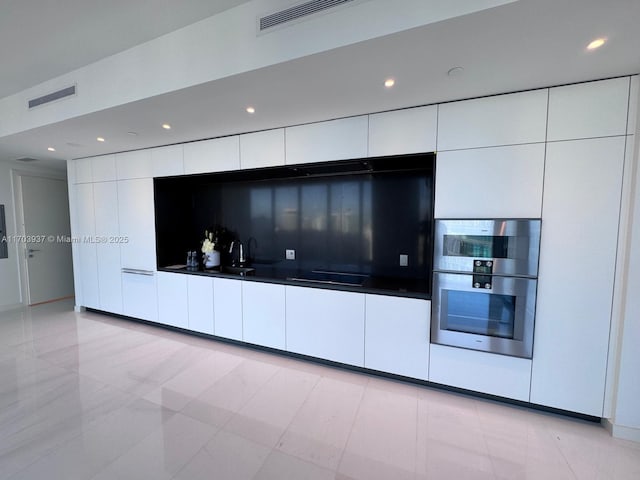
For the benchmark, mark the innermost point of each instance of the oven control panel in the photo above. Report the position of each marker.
(482, 271)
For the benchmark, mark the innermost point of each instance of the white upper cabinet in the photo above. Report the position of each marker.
(262, 149)
(500, 182)
(168, 161)
(217, 155)
(263, 314)
(412, 130)
(103, 168)
(634, 93)
(586, 110)
(493, 121)
(83, 170)
(326, 324)
(137, 224)
(397, 335)
(325, 141)
(134, 164)
(583, 181)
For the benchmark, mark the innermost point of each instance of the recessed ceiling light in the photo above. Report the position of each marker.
(251, 110)
(51, 149)
(389, 82)
(166, 126)
(455, 71)
(100, 139)
(597, 43)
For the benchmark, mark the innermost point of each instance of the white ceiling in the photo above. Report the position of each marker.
(522, 45)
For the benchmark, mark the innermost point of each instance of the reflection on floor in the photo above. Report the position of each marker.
(88, 396)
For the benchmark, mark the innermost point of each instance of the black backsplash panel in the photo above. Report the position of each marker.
(355, 216)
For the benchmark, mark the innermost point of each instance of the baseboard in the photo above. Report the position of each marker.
(620, 431)
(11, 306)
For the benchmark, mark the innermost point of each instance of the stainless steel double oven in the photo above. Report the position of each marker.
(485, 283)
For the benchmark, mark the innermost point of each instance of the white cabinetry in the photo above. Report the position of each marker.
(86, 229)
(227, 308)
(217, 155)
(137, 223)
(168, 161)
(84, 173)
(487, 122)
(105, 195)
(103, 168)
(173, 308)
(577, 260)
(490, 373)
(412, 130)
(490, 182)
(200, 291)
(326, 324)
(139, 295)
(594, 109)
(262, 149)
(397, 335)
(325, 141)
(134, 165)
(263, 314)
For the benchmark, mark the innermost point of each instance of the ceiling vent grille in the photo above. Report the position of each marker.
(298, 11)
(52, 97)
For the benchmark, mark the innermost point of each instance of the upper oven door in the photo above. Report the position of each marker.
(511, 245)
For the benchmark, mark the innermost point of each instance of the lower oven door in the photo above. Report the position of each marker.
(489, 313)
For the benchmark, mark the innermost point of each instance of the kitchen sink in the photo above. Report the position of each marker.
(242, 271)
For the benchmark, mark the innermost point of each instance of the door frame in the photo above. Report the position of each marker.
(16, 184)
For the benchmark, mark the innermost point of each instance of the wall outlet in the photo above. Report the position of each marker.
(290, 254)
(404, 260)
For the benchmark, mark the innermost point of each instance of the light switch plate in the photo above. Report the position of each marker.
(404, 260)
(290, 254)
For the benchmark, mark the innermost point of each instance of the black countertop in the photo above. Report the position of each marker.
(268, 273)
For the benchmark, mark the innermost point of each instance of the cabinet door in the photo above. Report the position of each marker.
(262, 149)
(134, 165)
(200, 290)
(484, 372)
(397, 335)
(140, 295)
(492, 121)
(83, 172)
(137, 224)
(412, 130)
(86, 230)
(501, 182)
(227, 308)
(103, 168)
(217, 155)
(168, 161)
(263, 314)
(583, 181)
(173, 308)
(326, 324)
(105, 195)
(333, 140)
(588, 110)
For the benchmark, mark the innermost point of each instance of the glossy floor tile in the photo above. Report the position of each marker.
(90, 396)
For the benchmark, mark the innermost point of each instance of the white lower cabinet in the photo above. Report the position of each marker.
(326, 324)
(397, 335)
(227, 308)
(139, 295)
(173, 308)
(263, 314)
(200, 293)
(483, 372)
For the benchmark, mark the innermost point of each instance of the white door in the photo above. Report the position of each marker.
(45, 208)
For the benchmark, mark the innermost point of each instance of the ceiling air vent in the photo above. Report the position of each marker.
(26, 159)
(52, 97)
(298, 11)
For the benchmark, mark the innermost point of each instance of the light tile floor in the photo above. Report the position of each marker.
(89, 396)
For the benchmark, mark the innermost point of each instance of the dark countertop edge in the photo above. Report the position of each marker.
(295, 283)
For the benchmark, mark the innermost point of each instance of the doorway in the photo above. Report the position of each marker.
(42, 213)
